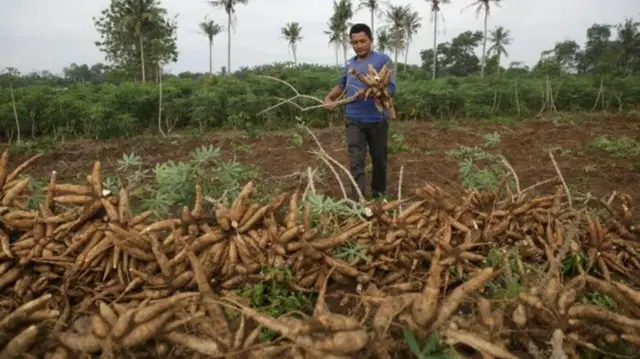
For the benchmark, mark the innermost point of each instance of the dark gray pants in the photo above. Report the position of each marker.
(374, 136)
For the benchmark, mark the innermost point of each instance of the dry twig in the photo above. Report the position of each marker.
(564, 183)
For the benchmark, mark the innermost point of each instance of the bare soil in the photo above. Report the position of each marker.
(525, 145)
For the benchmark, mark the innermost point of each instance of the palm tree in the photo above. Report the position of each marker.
(397, 43)
(435, 10)
(342, 13)
(291, 32)
(500, 38)
(382, 40)
(210, 29)
(373, 6)
(336, 36)
(229, 7)
(140, 12)
(338, 26)
(411, 24)
(394, 17)
(484, 5)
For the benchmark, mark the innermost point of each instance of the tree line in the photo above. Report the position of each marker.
(138, 38)
(131, 92)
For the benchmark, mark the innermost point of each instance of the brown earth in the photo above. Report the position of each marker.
(525, 145)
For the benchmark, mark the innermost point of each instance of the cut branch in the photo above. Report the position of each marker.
(299, 95)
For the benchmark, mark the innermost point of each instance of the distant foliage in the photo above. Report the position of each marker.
(105, 110)
(137, 37)
(123, 97)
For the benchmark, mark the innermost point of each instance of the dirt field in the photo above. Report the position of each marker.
(595, 155)
(424, 152)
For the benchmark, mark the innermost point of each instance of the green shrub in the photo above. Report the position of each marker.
(108, 110)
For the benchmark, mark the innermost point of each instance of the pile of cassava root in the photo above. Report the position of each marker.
(376, 87)
(495, 274)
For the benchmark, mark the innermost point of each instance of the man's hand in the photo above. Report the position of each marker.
(329, 104)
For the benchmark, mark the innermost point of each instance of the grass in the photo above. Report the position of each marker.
(272, 297)
(622, 146)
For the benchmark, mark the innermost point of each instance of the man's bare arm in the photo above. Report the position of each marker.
(339, 87)
(335, 92)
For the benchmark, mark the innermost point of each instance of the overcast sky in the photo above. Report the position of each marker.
(48, 35)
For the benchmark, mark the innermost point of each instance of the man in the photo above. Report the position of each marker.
(366, 126)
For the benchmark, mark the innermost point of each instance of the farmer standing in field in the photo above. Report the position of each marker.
(366, 126)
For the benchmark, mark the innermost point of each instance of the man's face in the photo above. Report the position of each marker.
(361, 43)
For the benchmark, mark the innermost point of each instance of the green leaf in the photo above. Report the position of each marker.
(412, 342)
(432, 343)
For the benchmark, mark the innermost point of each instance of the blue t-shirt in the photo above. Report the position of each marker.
(364, 110)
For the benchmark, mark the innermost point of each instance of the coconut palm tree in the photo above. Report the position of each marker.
(397, 43)
(394, 21)
(336, 37)
(336, 30)
(229, 7)
(382, 41)
(435, 10)
(411, 24)
(211, 30)
(500, 39)
(338, 26)
(373, 6)
(139, 13)
(343, 12)
(484, 6)
(291, 32)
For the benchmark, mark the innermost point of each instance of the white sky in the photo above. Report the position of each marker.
(48, 35)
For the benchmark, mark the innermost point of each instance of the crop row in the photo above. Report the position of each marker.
(107, 110)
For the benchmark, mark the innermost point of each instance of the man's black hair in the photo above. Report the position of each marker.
(357, 28)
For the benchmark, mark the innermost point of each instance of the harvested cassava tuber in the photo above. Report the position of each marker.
(376, 87)
(493, 273)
